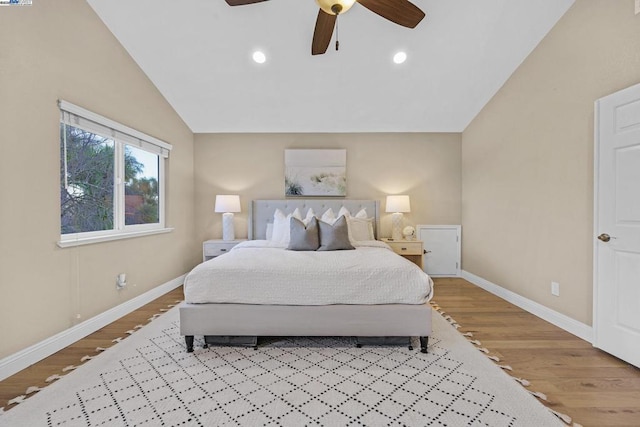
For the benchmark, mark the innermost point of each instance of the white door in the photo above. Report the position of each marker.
(442, 249)
(617, 225)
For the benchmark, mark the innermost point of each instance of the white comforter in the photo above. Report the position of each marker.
(259, 272)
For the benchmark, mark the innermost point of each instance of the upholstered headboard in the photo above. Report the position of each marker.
(262, 211)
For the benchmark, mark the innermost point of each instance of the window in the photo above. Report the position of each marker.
(111, 179)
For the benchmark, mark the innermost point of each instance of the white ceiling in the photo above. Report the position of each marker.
(198, 54)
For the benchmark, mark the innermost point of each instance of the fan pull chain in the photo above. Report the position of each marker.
(337, 42)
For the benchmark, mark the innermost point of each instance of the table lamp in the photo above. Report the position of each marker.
(227, 204)
(397, 205)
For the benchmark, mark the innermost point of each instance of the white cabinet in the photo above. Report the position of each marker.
(442, 244)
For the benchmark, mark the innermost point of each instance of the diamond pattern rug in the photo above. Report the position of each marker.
(149, 380)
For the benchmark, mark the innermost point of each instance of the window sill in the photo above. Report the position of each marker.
(119, 236)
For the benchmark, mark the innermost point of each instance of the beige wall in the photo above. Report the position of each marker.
(61, 50)
(425, 166)
(523, 166)
(527, 159)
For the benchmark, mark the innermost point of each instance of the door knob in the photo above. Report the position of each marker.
(604, 237)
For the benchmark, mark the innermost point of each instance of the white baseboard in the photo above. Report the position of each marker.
(30, 355)
(560, 320)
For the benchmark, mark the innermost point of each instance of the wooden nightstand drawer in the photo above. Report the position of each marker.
(410, 249)
(406, 248)
(214, 248)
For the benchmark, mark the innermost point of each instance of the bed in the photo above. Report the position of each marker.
(249, 298)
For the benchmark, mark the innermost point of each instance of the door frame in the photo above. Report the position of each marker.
(596, 202)
(596, 218)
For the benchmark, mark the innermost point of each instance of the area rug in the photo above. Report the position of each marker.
(149, 379)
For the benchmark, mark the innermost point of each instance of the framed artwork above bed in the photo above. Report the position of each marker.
(310, 173)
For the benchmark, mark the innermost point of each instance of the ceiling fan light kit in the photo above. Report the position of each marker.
(401, 12)
(335, 7)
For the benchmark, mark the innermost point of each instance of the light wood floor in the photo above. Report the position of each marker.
(592, 387)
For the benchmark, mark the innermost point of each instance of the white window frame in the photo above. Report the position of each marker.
(122, 135)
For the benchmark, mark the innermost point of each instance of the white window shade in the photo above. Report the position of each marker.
(85, 119)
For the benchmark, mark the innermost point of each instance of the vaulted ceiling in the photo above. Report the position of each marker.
(199, 55)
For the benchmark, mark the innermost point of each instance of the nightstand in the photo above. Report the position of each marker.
(412, 250)
(214, 248)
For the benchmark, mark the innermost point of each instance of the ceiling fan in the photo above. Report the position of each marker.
(402, 12)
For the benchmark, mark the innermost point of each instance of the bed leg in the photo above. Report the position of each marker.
(188, 339)
(424, 342)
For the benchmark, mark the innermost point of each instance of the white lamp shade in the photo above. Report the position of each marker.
(227, 203)
(398, 204)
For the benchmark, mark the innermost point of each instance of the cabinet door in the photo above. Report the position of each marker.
(443, 246)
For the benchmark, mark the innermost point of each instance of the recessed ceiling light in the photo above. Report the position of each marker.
(259, 57)
(399, 57)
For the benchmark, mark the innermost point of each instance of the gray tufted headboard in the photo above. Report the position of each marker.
(262, 211)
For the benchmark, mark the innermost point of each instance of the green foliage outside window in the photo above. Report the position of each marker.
(87, 194)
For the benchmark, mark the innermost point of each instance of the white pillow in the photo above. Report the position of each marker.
(309, 217)
(281, 229)
(361, 214)
(360, 229)
(329, 217)
(282, 226)
(269, 231)
(344, 211)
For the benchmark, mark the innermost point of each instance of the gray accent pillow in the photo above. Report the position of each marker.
(303, 238)
(334, 237)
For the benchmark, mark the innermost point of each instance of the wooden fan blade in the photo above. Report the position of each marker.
(323, 32)
(241, 2)
(402, 12)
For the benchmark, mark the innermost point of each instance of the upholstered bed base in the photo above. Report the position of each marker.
(386, 320)
(291, 320)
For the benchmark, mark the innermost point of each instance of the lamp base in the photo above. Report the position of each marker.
(227, 226)
(396, 225)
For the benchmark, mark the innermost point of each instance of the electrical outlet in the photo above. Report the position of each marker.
(555, 289)
(121, 281)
